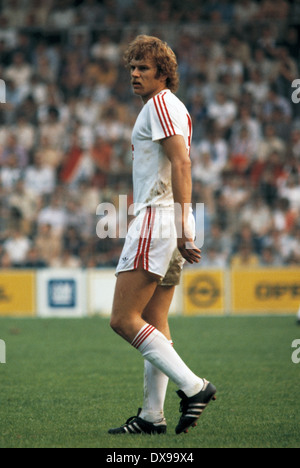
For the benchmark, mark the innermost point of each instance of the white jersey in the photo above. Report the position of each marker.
(162, 116)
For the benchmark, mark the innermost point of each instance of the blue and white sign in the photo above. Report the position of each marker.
(61, 293)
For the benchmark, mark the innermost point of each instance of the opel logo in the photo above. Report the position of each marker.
(203, 291)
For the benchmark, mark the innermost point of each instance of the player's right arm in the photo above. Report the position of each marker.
(176, 151)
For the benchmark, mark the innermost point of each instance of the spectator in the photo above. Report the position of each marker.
(25, 133)
(284, 218)
(65, 260)
(295, 143)
(243, 151)
(215, 145)
(77, 164)
(287, 72)
(258, 215)
(246, 120)
(54, 215)
(244, 258)
(13, 147)
(295, 247)
(47, 242)
(262, 64)
(68, 99)
(219, 240)
(207, 172)
(291, 42)
(17, 247)
(213, 258)
(291, 191)
(53, 129)
(37, 13)
(245, 11)
(39, 177)
(269, 258)
(233, 197)
(257, 86)
(105, 49)
(33, 259)
(101, 153)
(91, 12)
(51, 156)
(223, 112)
(5, 261)
(19, 72)
(72, 241)
(63, 15)
(275, 102)
(10, 173)
(26, 203)
(270, 143)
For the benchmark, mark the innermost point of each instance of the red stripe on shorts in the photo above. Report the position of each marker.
(146, 257)
(145, 239)
(141, 240)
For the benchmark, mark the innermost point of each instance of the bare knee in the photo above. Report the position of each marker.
(116, 324)
(123, 326)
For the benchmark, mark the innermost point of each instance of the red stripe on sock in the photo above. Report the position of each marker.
(141, 337)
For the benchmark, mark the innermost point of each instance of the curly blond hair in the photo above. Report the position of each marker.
(145, 47)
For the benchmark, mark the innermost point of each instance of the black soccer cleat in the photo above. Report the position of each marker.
(137, 425)
(192, 408)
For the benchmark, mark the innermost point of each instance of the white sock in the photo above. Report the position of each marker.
(155, 389)
(298, 314)
(155, 347)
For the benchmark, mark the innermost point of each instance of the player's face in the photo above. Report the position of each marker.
(145, 80)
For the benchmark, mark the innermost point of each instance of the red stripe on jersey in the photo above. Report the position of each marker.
(164, 116)
(161, 122)
(168, 115)
(167, 133)
(190, 124)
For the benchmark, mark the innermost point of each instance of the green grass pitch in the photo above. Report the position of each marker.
(66, 381)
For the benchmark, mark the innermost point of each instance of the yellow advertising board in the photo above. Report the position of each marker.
(203, 292)
(263, 291)
(17, 293)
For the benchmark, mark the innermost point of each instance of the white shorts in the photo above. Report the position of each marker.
(151, 242)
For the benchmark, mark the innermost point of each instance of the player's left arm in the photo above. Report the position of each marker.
(177, 153)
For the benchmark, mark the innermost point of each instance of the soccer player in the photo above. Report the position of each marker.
(159, 240)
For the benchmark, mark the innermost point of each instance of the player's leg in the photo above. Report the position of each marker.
(133, 292)
(195, 392)
(155, 381)
(157, 310)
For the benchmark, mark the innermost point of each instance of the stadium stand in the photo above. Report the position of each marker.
(66, 125)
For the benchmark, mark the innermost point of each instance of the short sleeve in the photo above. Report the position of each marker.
(164, 118)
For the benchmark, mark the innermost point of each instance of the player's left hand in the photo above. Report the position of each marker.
(189, 250)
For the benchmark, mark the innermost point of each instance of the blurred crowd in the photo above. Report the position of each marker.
(65, 128)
